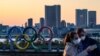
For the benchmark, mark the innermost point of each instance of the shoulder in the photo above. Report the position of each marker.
(69, 47)
(90, 40)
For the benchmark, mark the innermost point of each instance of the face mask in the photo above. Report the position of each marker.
(83, 37)
(77, 41)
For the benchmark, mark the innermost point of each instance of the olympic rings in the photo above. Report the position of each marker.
(51, 33)
(27, 43)
(30, 40)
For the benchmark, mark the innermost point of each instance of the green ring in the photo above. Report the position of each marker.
(40, 47)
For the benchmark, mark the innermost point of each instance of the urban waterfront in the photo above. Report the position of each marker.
(40, 29)
(57, 47)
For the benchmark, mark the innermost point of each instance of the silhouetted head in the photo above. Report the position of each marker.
(81, 33)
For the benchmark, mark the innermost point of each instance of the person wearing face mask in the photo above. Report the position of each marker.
(86, 41)
(71, 42)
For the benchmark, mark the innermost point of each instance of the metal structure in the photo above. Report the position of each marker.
(23, 41)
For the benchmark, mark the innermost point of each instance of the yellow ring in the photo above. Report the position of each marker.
(17, 45)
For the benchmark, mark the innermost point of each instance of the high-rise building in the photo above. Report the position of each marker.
(81, 18)
(3, 29)
(92, 18)
(53, 15)
(70, 25)
(63, 24)
(30, 22)
(25, 24)
(37, 26)
(42, 22)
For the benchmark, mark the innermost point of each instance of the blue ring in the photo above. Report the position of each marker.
(9, 36)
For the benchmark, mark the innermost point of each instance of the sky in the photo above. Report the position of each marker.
(16, 12)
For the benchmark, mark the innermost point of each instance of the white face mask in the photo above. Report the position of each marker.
(83, 37)
(76, 41)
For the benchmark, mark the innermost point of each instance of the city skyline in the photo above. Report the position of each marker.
(16, 12)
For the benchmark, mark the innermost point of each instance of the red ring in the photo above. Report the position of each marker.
(51, 36)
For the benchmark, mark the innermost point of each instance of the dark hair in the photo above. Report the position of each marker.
(69, 37)
(79, 31)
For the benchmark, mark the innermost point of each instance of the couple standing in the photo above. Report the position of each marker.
(79, 44)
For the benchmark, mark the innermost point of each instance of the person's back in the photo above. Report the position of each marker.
(88, 42)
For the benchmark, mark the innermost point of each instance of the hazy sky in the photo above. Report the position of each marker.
(16, 12)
